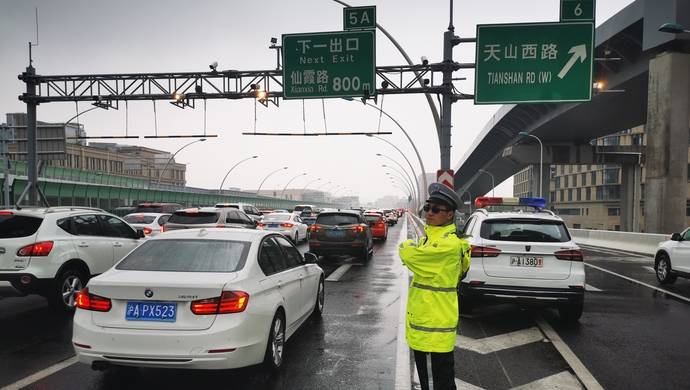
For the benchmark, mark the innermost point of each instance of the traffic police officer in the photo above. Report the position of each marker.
(437, 261)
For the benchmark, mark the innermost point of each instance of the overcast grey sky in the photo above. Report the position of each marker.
(129, 36)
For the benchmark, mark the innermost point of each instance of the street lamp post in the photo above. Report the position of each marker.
(493, 183)
(421, 191)
(267, 176)
(290, 181)
(220, 189)
(541, 158)
(404, 174)
(470, 194)
(160, 175)
(405, 183)
(419, 194)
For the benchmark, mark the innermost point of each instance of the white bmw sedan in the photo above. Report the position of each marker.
(199, 299)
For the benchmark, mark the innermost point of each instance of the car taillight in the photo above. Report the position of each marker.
(228, 302)
(260, 225)
(147, 230)
(286, 225)
(570, 254)
(220, 225)
(483, 251)
(162, 228)
(92, 302)
(358, 229)
(314, 228)
(38, 249)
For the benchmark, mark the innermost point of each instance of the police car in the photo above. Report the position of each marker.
(522, 253)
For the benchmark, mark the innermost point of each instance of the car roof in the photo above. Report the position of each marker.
(42, 211)
(235, 234)
(148, 214)
(545, 215)
(348, 212)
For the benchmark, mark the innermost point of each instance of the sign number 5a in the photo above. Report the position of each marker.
(355, 18)
(577, 10)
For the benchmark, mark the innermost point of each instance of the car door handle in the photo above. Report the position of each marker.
(279, 283)
(83, 245)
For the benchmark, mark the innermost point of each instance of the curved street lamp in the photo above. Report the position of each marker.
(290, 181)
(321, 186)
(220, 189)
(310, 183)
(493, 183)
(267, 176)
(160, 174)
(404, 174)
(404, 182)
(403, 169)
(541, 157)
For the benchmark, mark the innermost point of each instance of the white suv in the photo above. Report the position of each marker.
(54, 251)
(523, 256)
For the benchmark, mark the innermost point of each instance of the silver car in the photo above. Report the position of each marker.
(209, 217)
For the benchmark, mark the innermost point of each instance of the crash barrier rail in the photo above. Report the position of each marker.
(418, 224)
(645, 243)
(73, 187)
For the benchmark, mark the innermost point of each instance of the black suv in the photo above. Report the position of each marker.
(341, 233)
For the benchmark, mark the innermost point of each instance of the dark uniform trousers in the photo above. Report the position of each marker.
(442, 367)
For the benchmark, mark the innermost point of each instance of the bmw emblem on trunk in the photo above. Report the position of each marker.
(148, 293)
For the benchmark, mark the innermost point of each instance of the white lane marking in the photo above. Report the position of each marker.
(562, 381)
(686, 299)
(41, 374)
(575, 364)
(499, 342)
(615, 252)
(402, 351)
(589, 287)
(338, 273)
(650, 269)
(462, 385)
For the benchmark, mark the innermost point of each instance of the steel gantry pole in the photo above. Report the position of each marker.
(220, 189)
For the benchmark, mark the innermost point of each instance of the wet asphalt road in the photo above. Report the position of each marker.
(630, 337)
(352, 347)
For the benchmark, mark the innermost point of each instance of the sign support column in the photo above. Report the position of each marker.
(31, 157)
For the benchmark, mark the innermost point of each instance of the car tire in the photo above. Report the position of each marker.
(273, 359)
(295, 240)
(663, 270)
(67, 284)
(320, 299)
(466, 305)
(571, 312)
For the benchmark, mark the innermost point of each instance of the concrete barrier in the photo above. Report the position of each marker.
(646, 243)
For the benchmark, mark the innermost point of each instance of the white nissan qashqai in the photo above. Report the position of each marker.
(522, 253)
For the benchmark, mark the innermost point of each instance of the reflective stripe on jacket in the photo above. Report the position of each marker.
(437, 262)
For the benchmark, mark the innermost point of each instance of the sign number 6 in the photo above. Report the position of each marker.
(578, 10)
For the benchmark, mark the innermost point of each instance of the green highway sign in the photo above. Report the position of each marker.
(577, 10)
(329, 64)
(534, 62)
(359, 17)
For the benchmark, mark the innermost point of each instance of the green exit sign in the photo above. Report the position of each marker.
(355, 18)
(534, 62)
(577, 10)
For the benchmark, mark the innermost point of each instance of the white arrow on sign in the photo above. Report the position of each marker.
(578, 52)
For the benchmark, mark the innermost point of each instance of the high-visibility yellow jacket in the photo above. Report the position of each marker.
(437, 262)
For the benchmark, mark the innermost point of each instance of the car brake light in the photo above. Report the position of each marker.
(483, 251)
(38, 249)
(570, 254)
(162, 228)
(314, 228)
(228, 302)
(92, 302)
(358, 229)
(147, 230)
(286, 225)
(6, 213)
(220, 225)
(260, 225)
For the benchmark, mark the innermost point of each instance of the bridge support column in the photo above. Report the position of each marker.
(631, 188)
(668, 120)
(545, 180)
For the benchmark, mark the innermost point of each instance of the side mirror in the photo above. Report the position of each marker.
(676, 237)
(140, 233)
(310, 258)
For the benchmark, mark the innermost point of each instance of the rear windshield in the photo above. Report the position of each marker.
(276, 218)
(337, 219)
(371, 218)
(300, 208)
(228, 206)
(143, 219)
(187, 256)
(14, 226)
(199, 218)
(524, 230)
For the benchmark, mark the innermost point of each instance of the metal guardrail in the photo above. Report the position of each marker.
(646, 243)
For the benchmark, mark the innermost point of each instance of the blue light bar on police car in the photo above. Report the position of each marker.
(537, 203)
